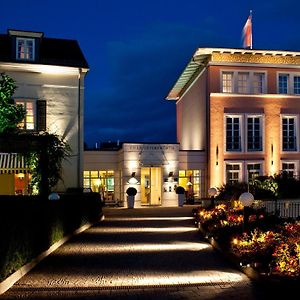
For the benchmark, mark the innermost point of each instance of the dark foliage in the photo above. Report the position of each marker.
(29, 225)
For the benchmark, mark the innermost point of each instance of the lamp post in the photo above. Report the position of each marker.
(212, 192)
(246, 199)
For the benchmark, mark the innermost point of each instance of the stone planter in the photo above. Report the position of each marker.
(131, 192)
(180, 191)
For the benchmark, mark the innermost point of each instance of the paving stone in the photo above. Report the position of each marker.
(148, 253)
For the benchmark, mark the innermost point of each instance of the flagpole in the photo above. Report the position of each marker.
(251, 43)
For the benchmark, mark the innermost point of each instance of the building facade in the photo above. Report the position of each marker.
(155, 170)
(237, 118)
(49, 75)
(242, 108)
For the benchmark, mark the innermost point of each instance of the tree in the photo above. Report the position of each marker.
(10, 114)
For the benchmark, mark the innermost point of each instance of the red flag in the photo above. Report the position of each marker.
(247, 33)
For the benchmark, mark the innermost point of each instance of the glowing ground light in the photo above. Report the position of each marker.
(103, 230)
(144, 279)
(130, 248)
(151, 219)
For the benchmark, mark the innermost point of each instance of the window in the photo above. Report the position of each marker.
(289, 168)
(233, 135)
(243, 83)
(227, 82)
(289, 142)
(253, 170)
(102, 182)
(35, 114)
(258, 83)
(190, 176)
(25, 49)
(283, 82)
(296, 84)
(233, 172)
(29, 120)
(254, 133)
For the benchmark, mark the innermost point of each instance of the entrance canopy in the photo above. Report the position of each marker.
(12, 163)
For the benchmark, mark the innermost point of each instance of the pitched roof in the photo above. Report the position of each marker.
(58, 52)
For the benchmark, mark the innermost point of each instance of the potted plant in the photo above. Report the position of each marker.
(180, 191)
(131, 192)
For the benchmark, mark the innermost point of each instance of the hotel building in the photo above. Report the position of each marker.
(49, 74)
(237, 117)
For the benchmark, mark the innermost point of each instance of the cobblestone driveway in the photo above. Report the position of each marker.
(149, 253)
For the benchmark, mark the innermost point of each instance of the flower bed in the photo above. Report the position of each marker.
(270, 245)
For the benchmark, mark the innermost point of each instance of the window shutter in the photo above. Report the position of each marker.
(41, 115)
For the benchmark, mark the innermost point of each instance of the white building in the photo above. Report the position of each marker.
(155, 170)
(49, 74)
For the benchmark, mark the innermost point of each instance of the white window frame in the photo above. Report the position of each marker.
(261, 129)
(296, 165)
(250, 86)
(263, 83)
(289, 116)
(243, 83)
(290, 83)
(294, 76)
(240, 175)
(241, 133)
(232, 82)
(247, 163)
(18, 39)
(25, 101)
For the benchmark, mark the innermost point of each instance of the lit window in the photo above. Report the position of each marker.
(25, 49)
(289, 168)
(283, 83)
(29, 120)
(190, 176)
(253, 171)
(233, 136)
(296, 84)
(233, 173)
(254, 133)
(227, 82)
(181, 173)
(258, 83)
(102, 182)
(289, 142)
(243, 83)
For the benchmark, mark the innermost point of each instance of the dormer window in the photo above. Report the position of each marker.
(25, 48)
(25, 45)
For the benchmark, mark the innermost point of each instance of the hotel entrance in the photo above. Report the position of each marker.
(151, 186)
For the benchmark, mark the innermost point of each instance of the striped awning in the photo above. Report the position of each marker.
(12, 163)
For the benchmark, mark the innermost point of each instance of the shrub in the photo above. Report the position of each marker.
(30, 225)
(131, 191)
(180, 190)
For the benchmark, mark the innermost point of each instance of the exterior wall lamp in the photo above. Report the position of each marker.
(272, 155)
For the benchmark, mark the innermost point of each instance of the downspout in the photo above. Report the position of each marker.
(79, 184)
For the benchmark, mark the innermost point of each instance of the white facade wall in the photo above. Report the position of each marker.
(60, 89)
(132, 158)
(192, 116)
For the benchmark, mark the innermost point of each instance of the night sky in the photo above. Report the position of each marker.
(136, 50)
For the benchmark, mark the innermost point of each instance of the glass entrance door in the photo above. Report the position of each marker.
(151, 185)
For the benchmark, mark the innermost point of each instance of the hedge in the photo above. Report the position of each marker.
(30, 225)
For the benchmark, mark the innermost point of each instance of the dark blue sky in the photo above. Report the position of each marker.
(136, 50)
